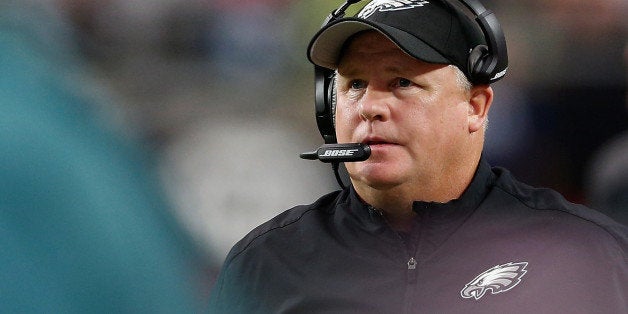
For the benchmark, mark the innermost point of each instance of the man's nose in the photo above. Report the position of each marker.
(373, 105)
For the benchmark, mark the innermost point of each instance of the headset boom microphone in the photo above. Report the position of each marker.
(339, 153)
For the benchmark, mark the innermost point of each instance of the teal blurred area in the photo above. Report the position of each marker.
(84, 223)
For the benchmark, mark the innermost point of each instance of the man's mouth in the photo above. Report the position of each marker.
(375, 141)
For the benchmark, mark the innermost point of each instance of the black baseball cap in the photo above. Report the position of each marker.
(432, 31)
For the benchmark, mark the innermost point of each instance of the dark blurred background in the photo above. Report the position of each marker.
(219, 94)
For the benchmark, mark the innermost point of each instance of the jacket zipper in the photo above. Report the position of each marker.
(411, 261)
(411, 274)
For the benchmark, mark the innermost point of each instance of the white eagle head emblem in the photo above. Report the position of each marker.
(389, 5)
(498, 279)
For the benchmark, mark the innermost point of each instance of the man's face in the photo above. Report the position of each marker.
(413, 114)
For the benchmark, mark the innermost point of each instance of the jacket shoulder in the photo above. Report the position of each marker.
(323, 205)
(552, 202)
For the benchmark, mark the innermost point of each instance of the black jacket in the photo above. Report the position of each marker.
(503, 247)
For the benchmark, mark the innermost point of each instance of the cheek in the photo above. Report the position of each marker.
(453, 128)
(459, 118)
(435, 128)
(346, 121)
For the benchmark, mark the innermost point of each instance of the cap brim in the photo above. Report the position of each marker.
(325, 47)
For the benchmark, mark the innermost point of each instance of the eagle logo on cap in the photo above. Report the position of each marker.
(389, 5)
(498, 279)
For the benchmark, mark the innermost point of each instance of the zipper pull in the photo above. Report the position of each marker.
(412, 263)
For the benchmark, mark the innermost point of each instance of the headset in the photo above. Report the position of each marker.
(486, 63)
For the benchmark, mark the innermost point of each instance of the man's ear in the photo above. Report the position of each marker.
(479, 104)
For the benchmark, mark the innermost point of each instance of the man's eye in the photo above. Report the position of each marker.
(357, 84)
(404, 82)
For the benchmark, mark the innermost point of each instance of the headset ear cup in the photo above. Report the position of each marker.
(331, 100)
(476, 61)
(323, 94)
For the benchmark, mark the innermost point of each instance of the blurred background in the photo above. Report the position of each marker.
(218, 97)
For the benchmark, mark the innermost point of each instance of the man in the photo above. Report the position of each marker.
(427, 226)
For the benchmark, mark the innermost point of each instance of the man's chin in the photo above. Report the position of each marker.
(379, 178)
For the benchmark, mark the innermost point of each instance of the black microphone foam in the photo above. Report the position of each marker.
(346, 152)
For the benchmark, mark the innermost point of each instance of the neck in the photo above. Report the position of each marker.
(396, 202)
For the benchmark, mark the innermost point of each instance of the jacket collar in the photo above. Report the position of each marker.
(470, 199)
(482, 182)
